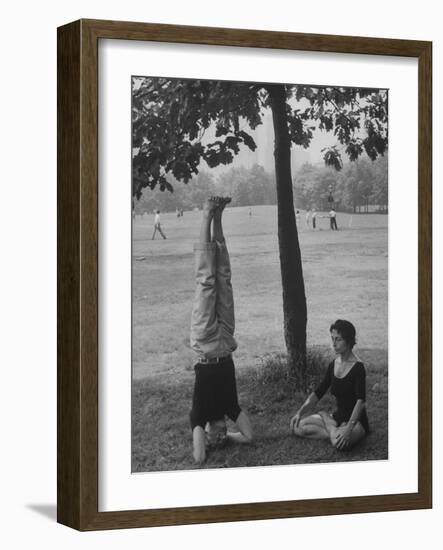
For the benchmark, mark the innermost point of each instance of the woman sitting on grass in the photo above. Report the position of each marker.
(346, 377)
(212, 338)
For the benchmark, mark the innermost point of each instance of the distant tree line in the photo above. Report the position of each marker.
(247, 187)
(361, 186)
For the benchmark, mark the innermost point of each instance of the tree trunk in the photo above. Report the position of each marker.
(294, 298)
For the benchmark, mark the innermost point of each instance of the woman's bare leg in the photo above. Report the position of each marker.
(312, 427)
(329, 422)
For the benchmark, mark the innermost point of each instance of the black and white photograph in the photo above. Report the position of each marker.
(259, 274)
(199, 202)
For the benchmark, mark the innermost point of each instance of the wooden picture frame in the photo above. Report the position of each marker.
(77, 453)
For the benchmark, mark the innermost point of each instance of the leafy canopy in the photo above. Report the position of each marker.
(179, 123)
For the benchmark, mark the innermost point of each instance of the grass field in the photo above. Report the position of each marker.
(345, 275)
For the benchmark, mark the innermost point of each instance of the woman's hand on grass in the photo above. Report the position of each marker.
(295, 421)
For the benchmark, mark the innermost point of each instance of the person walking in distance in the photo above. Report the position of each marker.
(212, 338)
(157, 225)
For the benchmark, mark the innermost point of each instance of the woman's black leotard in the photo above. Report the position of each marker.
(347, 391)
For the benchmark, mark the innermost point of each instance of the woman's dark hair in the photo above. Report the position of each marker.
(346, 330)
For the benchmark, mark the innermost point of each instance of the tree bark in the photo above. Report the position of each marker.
(294, 298)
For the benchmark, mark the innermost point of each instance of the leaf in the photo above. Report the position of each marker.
(332, 158)
(248, 140)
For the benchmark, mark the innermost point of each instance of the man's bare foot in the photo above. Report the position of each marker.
(222, 202)
(211, 205)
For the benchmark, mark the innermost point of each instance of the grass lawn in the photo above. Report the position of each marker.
(345, 275)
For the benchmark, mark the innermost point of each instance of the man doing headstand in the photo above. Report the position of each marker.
(212, 337)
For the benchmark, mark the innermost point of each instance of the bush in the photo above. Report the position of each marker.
(275, 369)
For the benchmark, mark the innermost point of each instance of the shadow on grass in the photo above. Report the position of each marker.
(161, 434)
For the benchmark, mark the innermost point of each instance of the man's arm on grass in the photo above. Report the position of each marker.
(245, 434)
(199, 446)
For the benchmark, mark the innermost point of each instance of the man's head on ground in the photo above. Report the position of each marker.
(216, 433)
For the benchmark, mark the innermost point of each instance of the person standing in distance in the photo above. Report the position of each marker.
(314, 218)
(333, 219)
